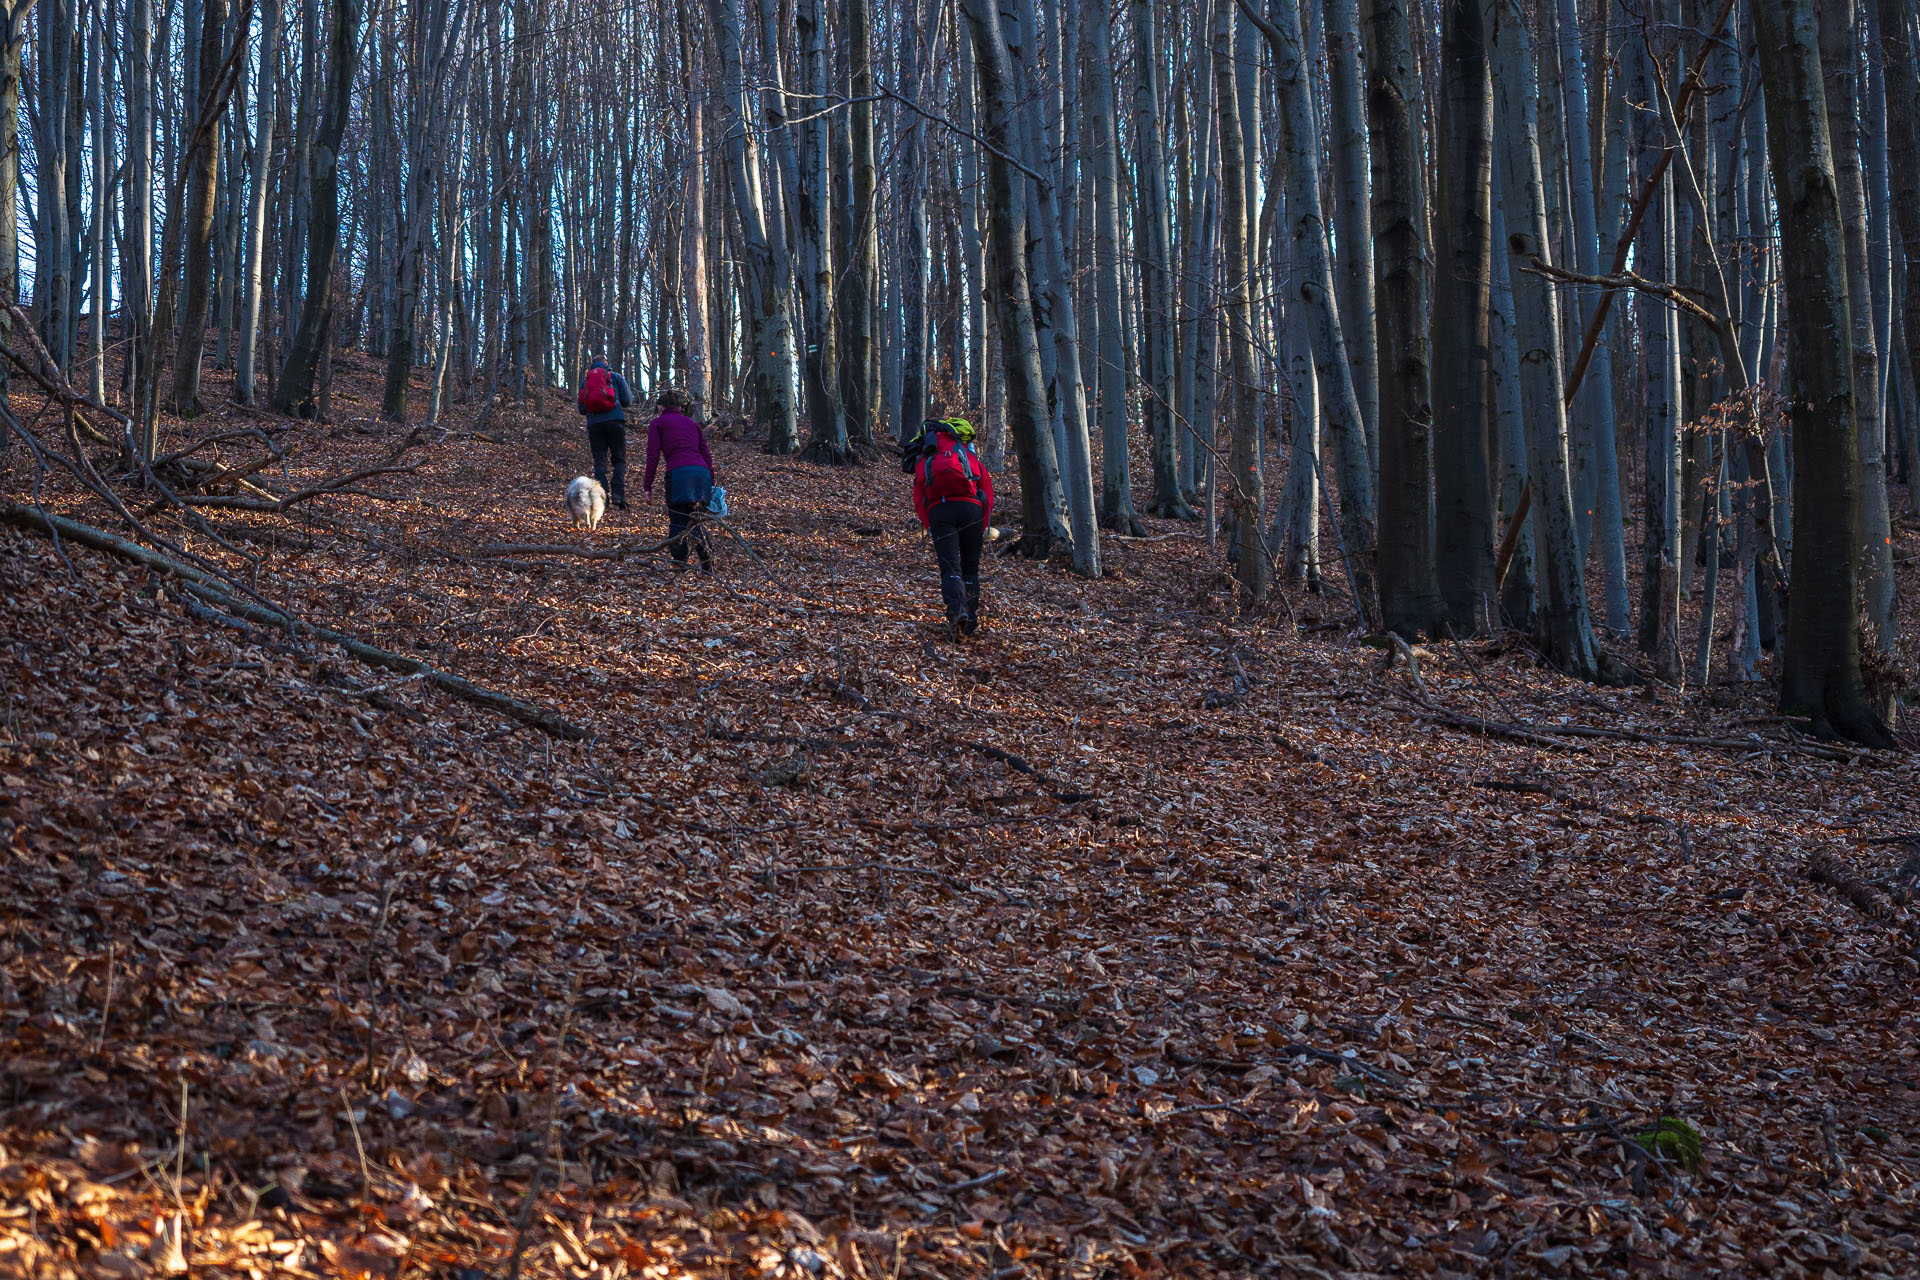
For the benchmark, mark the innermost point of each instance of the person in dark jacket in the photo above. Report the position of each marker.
(603, 401)
(953, 496)
(676, 439)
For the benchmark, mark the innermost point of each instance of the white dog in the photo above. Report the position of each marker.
(586, 502)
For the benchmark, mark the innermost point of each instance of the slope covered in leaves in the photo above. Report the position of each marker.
(1129, 938)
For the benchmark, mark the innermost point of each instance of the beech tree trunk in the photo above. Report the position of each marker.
(1903, 168)
(1820, 675)
(1562, 626)
(826, 416)
(1463, 252)
(1313, 284)
(1116, 487)
(1410, 602)
(435, 36)
(863, 266)
(1246, 497)
(295, 389)
(1839, 56)
(253, 253)
(1152, 220)
(763, 271)
(201, 190)
(13, 36)
(1043, 506)
(910, 188)
(1353, 264)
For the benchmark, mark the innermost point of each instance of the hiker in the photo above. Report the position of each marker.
(678, 439)
(604, 398)
(953, 495)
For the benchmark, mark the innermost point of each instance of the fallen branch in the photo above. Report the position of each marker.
(202, 585)
(974, 1184)
(618, 552)
(1477, 724)
(1550, 732)
(1681, 830)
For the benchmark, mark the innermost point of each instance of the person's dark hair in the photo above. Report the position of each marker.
(671, 398)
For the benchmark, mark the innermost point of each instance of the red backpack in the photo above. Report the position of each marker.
(598, 396)
(951, 472)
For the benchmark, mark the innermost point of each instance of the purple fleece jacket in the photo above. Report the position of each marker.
(678, 438)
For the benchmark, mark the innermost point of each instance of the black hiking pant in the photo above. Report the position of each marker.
(688, 490)
(609, 443)
(958, 528)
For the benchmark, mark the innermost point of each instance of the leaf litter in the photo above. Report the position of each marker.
(1130, 938)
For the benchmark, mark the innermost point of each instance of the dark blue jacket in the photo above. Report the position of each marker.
(622, 395)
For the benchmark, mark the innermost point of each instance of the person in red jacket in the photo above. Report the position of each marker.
(953, 495)
(678, 439)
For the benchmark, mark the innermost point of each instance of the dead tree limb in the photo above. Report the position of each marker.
(204, 586)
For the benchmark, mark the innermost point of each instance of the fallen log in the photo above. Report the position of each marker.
(204, 586)
(1549, 734)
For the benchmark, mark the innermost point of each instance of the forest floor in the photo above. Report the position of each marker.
(1128, 938)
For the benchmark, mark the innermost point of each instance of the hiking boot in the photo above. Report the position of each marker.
(681, 566)
(968, 625)
(620, 503)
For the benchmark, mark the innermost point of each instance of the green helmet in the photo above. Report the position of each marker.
(961, 428)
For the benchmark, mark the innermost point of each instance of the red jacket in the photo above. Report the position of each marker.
(982, 482)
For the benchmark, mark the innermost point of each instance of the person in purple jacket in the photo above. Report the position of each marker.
(677, 439)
